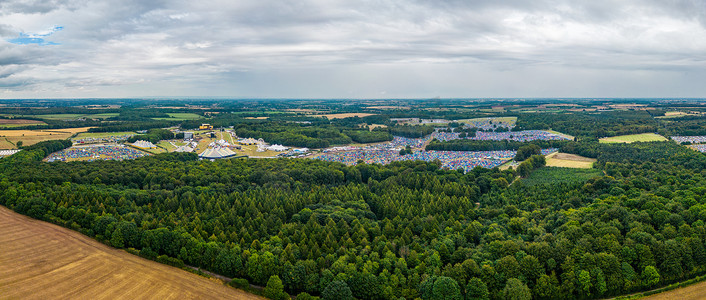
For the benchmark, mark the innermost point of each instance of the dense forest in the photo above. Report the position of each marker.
(406, 229)
(592, 125)
(692, 125)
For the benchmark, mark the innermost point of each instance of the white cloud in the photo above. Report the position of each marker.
(338, 48)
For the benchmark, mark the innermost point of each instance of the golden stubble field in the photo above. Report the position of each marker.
(692, 292)
(31, 137)
(566, 160)
(44, 261)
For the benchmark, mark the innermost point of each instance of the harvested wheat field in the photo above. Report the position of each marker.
(566, 160)
(45, 261)
(691, 292)
(31, 137)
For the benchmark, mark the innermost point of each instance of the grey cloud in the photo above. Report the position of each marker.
(7, 31)
(232, 47)
(37, 6)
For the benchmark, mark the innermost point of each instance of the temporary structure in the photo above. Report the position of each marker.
(217, 153)
(278, 148)
(144, 145)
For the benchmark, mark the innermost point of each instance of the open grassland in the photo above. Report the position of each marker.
(251, 151)
(44, 261)
(570, 137)
(555, 175)
(342, 116)
(166, 145)
(180, 117)
(31, 137)
(566, 160)
(224, 135)
(643, 137)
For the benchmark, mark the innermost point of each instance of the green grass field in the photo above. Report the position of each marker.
(643, 137)
(102, 116)
(559, 133)
(180, 117)
(554, 175)
(166, 145)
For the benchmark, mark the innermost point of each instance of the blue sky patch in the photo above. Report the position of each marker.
(36, 38)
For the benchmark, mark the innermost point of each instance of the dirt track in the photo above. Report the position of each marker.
(44, 261)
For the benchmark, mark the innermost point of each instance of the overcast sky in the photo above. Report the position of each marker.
(352, 49)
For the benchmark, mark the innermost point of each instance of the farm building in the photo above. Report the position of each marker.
(144, 145)
(217, 153)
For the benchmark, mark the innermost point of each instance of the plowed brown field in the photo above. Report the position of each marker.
(44, 261)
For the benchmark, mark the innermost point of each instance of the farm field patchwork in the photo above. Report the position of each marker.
(31, 137)
(643, 137)
(10, 123)
(180, 117)
(45, 261)
(566, 160)
(72, 116)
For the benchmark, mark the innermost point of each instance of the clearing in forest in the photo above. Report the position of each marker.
(566, 160)
(642, 137)
(44, 261)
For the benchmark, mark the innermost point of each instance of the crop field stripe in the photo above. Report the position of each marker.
(42, 260)
(642, 137)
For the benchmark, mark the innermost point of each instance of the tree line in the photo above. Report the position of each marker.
(407, 229)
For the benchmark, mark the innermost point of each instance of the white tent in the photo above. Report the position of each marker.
(217, 153)
(144, 145)
(278, 148)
